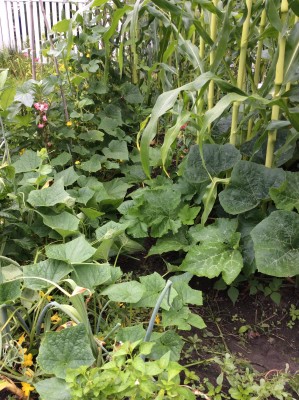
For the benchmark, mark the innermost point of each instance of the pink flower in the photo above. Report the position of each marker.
(44, 107)
(45, 118)
(25, 54)
(41, 125)
(36, 106)
(36, 59)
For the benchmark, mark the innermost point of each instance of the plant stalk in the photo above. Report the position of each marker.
(241, 71)
(279, 75)
(257, 68)
(213, 33)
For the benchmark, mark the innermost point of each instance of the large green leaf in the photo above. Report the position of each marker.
(53, 270)
(65, 224)
(29, 161)
(117, 150)
(93, 164)
(249, 185)
(276, 244)
(291, 63)
(273, 14)
(217, 253)
(212, 259)
(76, 251)
(165, 342)
(67, 349)
(170, 242)
(132, 93)
(50, 196)
(217, 158)
(9, 291)
(91, 275)
(68, 175)
(112, 192)
(294, 5)
(62, 159)
(110, 230)
(286, 197)
(53, 389)
(163, 104)
(172, 134)
(160, 211)
(127, 292)
(153, 285)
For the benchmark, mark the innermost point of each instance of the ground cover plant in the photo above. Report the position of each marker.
(166, 136)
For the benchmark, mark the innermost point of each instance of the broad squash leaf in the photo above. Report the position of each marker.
(53, 389)
(76, 251)
(66, 349)
(217, 253)
(286, 197)
(249, 185)
(50, 196)
(9, 291)
(276, 244)
(217, 159)
(53, 270)
(65, 224)
(127, 292)
(29, 161)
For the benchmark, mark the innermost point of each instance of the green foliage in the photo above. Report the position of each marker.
(128, 375)
(66, 349)
(128, 150)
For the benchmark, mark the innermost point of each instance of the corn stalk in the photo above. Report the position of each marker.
(279, 75)
(241, 71)
(257, 67)
(213, 33)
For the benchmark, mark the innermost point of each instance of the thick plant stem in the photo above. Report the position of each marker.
(241, 71)
(213, 33)
(257, 67)
(279, 73)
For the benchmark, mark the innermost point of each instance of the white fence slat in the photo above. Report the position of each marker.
(48, 14)
(17, 24)
(15, 21)
(36, 31)
(67, 11)
(24, 27)
(12, 42)
(54, 14)
(28, 21)
(4, 25)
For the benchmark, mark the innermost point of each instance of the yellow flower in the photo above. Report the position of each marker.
(61, 67)
(88, 55)
(27, 388)
(22, 151)
(55, 318)
(69, 123)
(157, 320)
(27, 360)
(43, 295)
(77, 162)
(21, 339)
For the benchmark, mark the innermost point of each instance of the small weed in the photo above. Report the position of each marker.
(294, 314)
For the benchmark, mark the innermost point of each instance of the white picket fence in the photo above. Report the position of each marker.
(22, 25)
